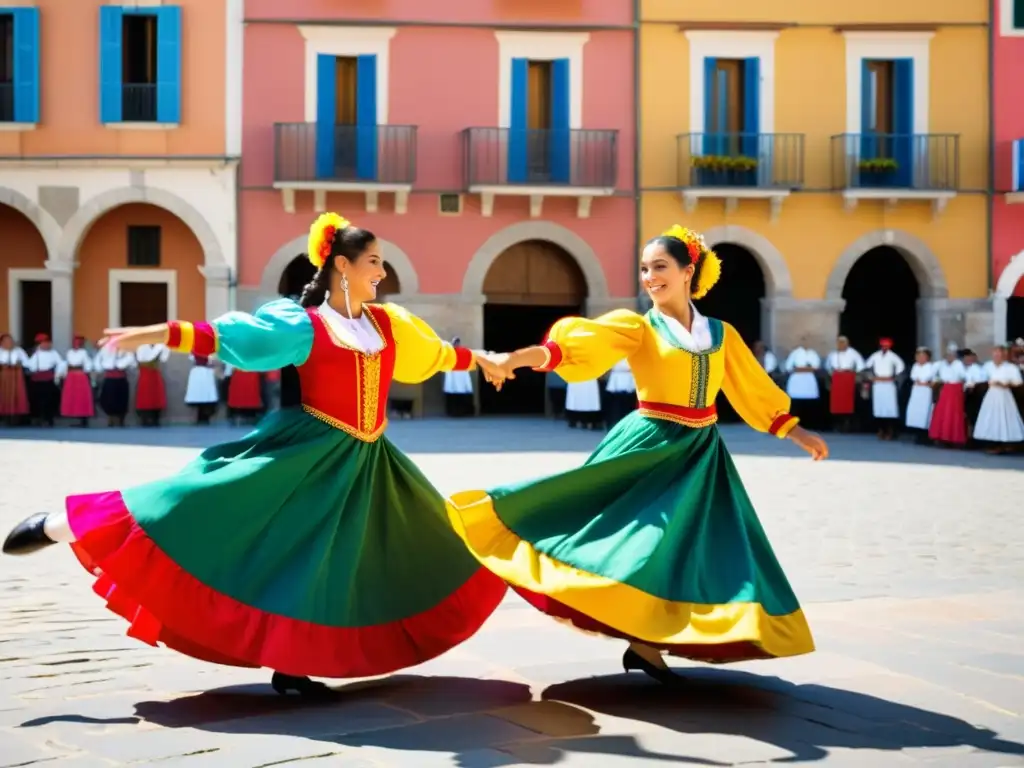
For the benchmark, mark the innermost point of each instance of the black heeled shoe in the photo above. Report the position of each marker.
(303, 686)
(631, 660)
(28, 536)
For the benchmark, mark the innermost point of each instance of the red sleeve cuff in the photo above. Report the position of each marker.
(463, 359)
(198, 338)
(554, 357)
(783, 424)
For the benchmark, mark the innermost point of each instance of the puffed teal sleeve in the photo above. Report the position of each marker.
(751, 391)
(278, 334)
(419, 351)
(580, 349)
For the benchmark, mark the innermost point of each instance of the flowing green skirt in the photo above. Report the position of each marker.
(297, 547)
(652, 539)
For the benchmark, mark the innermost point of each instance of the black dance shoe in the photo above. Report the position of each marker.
(303, 686)
(632, 660)
(28, 536)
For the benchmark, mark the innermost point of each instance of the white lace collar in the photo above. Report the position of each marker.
(697, 339)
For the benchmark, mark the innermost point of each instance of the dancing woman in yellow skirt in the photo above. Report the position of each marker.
(653, 540)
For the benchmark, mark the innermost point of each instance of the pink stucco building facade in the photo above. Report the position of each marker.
(1008, 202)
(489, 145)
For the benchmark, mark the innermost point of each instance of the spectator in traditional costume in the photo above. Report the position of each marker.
(45, 367)
(949, 421)
(999, 420)
(151, 391)
(975, 387)
(885, 365)
(458, 391)
(922, 395)
(77, 399)
(802, 365)
(13, 392)
(115, 394)
(201, 392)
(843, 364)
(583, 404)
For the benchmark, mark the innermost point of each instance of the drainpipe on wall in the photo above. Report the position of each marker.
(637, 125)
(233, 275)
(990, 202)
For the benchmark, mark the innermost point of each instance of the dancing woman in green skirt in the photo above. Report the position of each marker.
(653, 540)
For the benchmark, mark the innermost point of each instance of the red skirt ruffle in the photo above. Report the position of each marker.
(13, 393)
(150, 394)
(76, 396)
(165, 604)
(844, 387)
(949, 419)
(244, 391)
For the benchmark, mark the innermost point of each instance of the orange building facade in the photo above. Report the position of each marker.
(119, 141)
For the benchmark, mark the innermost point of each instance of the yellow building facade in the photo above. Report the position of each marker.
(837, 157)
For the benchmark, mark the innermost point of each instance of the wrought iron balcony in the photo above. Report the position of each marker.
(308, 154)
(754, 161)
(6, 102)
(1018, 166)
(923, 162)
(511, 157)
(138, 102)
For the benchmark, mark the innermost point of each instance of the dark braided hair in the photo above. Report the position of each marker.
(349, 243)
(677, 249)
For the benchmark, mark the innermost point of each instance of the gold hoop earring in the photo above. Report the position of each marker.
(348, 302)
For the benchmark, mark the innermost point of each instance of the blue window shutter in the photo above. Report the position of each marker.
(26, 65)
(366, 117)
(517, 134)
(560, 148)
(751, 107)
(1018, 165)
(111, 18)
(326, 115)
(710, 124)
(903, 121)
(868, 142)
(168, 64)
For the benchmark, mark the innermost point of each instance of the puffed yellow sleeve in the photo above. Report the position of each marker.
(751, 391)
(581, 349)
(419, 352)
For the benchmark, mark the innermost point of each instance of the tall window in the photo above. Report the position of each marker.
(143, 246)
(727, 98)
(880, 96)
(138, 68)
(346, 140)
(538, 118)
(6, 67)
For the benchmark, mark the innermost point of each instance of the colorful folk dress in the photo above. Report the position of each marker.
(312, 545)
(653, 538)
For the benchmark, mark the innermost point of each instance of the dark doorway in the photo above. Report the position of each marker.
(143, 304)
(528, 288)
(36, 311)
(1014, 319)
(295, 276)
(390, 285)
(736, 300)
(881, 293)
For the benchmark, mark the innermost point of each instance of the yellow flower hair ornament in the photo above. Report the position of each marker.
(321, 237)
(710, 264)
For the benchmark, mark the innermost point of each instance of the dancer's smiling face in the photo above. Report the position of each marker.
(364, 272)
(665, 274)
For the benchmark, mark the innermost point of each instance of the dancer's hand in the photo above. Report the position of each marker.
(810, 442)
(495, 367)
(130, 339)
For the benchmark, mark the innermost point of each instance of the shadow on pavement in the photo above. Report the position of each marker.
(465, 717)
(530, 435)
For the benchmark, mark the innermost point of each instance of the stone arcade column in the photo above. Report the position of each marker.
(62, 301)
(786, 321)
(968, 322)
(218, 289)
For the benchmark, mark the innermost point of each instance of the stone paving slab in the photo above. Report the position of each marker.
(907, 560)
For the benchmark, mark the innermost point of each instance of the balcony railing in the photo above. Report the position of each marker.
(6, 102)
(374, 154)
(923, 162)
(138, 102)
(534, 157)
(755, 160)
(1018, 165)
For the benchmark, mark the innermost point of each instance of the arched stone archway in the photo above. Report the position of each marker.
(566, 239)
(88, 214)
(1012, 274)
(777, 278)
(924, 263)
(393, 255)
(48, 227)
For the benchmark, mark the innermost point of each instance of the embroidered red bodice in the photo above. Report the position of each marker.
(344, 387)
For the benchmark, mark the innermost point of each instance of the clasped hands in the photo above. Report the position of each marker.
(497, 367)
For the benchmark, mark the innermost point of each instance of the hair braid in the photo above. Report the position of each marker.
(315, 291)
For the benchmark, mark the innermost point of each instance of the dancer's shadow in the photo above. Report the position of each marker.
(468, 717)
